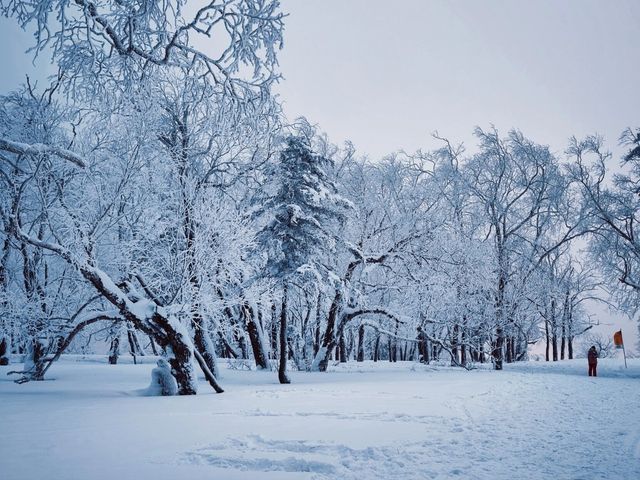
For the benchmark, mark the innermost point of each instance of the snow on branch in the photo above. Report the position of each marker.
(350, 314)
(41, 149)
(84, 33)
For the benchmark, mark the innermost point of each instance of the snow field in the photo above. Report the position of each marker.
(534, 420)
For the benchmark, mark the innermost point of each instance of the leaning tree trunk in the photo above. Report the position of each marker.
(204, 345)
(282, 367)
(152, 344)
(168, 332)
(238, 336)
(256, 337)
(134, 344)
(328, 342)
(35, 362)
(176, 342)
(147, 316)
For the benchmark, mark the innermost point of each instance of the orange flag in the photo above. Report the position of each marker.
(617, 339)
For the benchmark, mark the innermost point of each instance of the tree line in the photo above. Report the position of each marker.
(155, 197)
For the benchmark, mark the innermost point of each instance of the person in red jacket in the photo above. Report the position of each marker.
(592, 356)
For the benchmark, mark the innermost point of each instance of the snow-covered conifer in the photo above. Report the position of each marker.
(300, 212)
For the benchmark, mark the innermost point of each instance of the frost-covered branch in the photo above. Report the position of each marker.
(41, 149)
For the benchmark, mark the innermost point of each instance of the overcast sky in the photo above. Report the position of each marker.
(386, 74)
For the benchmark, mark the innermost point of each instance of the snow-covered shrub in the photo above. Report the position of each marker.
(162, 381)
(238, 364)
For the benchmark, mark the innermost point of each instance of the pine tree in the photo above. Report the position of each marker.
(300, 212)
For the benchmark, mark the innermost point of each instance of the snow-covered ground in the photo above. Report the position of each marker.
(360, 421)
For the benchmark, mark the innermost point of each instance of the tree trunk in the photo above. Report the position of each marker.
(360, 355)
(321, 362)
(152, 344)
(282, 367)
(565, 319)
(4, 357)
(177, 344)
(500, 300)
(114, 350)
(376, 348)
(134, 345)
(507, 353)
(554, 331)
(208, 374)
(463, 348)
(570, 347)
(274, 332)
(36, 360)
(254, 329)
(454, 346)
(546, 336)
(328, 343)
(242, 344)
(316, 337)
(343, 349)
(204, 345)
(227, 351)
(497, 351)
(350, 344)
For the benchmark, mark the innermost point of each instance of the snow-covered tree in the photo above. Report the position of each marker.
(301, 212)
(98, 207)
(613, 206)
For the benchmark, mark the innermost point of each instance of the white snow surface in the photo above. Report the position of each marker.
(533, 420)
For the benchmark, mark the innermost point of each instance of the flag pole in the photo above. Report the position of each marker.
(624, 353)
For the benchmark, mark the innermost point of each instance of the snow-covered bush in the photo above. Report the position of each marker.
(162, 381)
